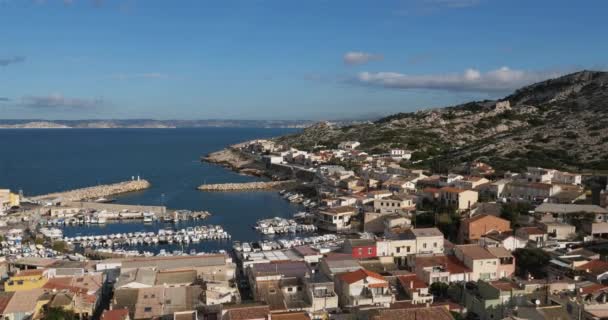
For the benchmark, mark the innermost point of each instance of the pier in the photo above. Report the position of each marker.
(248, 186)
(96, 192)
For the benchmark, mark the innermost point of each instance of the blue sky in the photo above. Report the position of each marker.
(283, 59)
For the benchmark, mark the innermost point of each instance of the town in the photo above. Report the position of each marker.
(377, 239)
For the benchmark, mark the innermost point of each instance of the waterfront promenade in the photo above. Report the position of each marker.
(92, 193)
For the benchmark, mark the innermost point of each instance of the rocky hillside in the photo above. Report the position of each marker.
(560, 123)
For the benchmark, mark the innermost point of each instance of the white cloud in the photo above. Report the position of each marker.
(357, 57)
(471, 80)
(58, 101)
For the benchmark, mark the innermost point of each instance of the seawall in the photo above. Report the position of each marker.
(248, 186)
(95, 192)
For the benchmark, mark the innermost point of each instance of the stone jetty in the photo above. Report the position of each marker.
(248, 186)
(100, 191)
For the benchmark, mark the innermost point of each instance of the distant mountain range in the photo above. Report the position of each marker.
(559, 123)
(148, 123)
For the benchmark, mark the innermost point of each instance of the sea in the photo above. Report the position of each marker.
(40, 161)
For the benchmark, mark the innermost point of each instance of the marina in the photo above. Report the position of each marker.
(278, 225)
(87, 217)
(326, 241)
(183, 236)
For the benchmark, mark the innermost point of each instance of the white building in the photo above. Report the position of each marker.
(349, 145)
(401, 154)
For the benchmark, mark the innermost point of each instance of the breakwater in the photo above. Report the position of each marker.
(92, 193)
(248, 186)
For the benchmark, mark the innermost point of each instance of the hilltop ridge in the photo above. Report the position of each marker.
(555, 123)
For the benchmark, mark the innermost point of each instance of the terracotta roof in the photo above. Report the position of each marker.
(594, 267)
(504, 285)
(484, 216)
(594, 288)
(450, 263)
(411, 281)
(117, 314)
(430, 190)
(23, 301)
(422, 313)
(290, 316)
(5, 298)
(244, 312)
(354, 276)
(31, 272)
(475, 251)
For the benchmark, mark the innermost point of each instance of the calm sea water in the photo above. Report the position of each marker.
(44, 161)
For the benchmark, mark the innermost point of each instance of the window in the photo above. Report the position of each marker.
(369, 250)
(424, 245)
(299, 288)
(435, 244)
(290, 289)
(148, 309)
(408, 248)
(398, 249)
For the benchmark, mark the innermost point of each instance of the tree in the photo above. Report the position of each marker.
(59, 246)
(513, 211)
(439, 289)
(59, 314)
(531, 261)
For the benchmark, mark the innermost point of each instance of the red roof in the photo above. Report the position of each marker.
(411, 281)
(63, 284)
(354, 276)
(593, 288)
(594, 267)
(450, 263)
(117, 314)
(31, 272)
(503, 285)
(5, 298)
